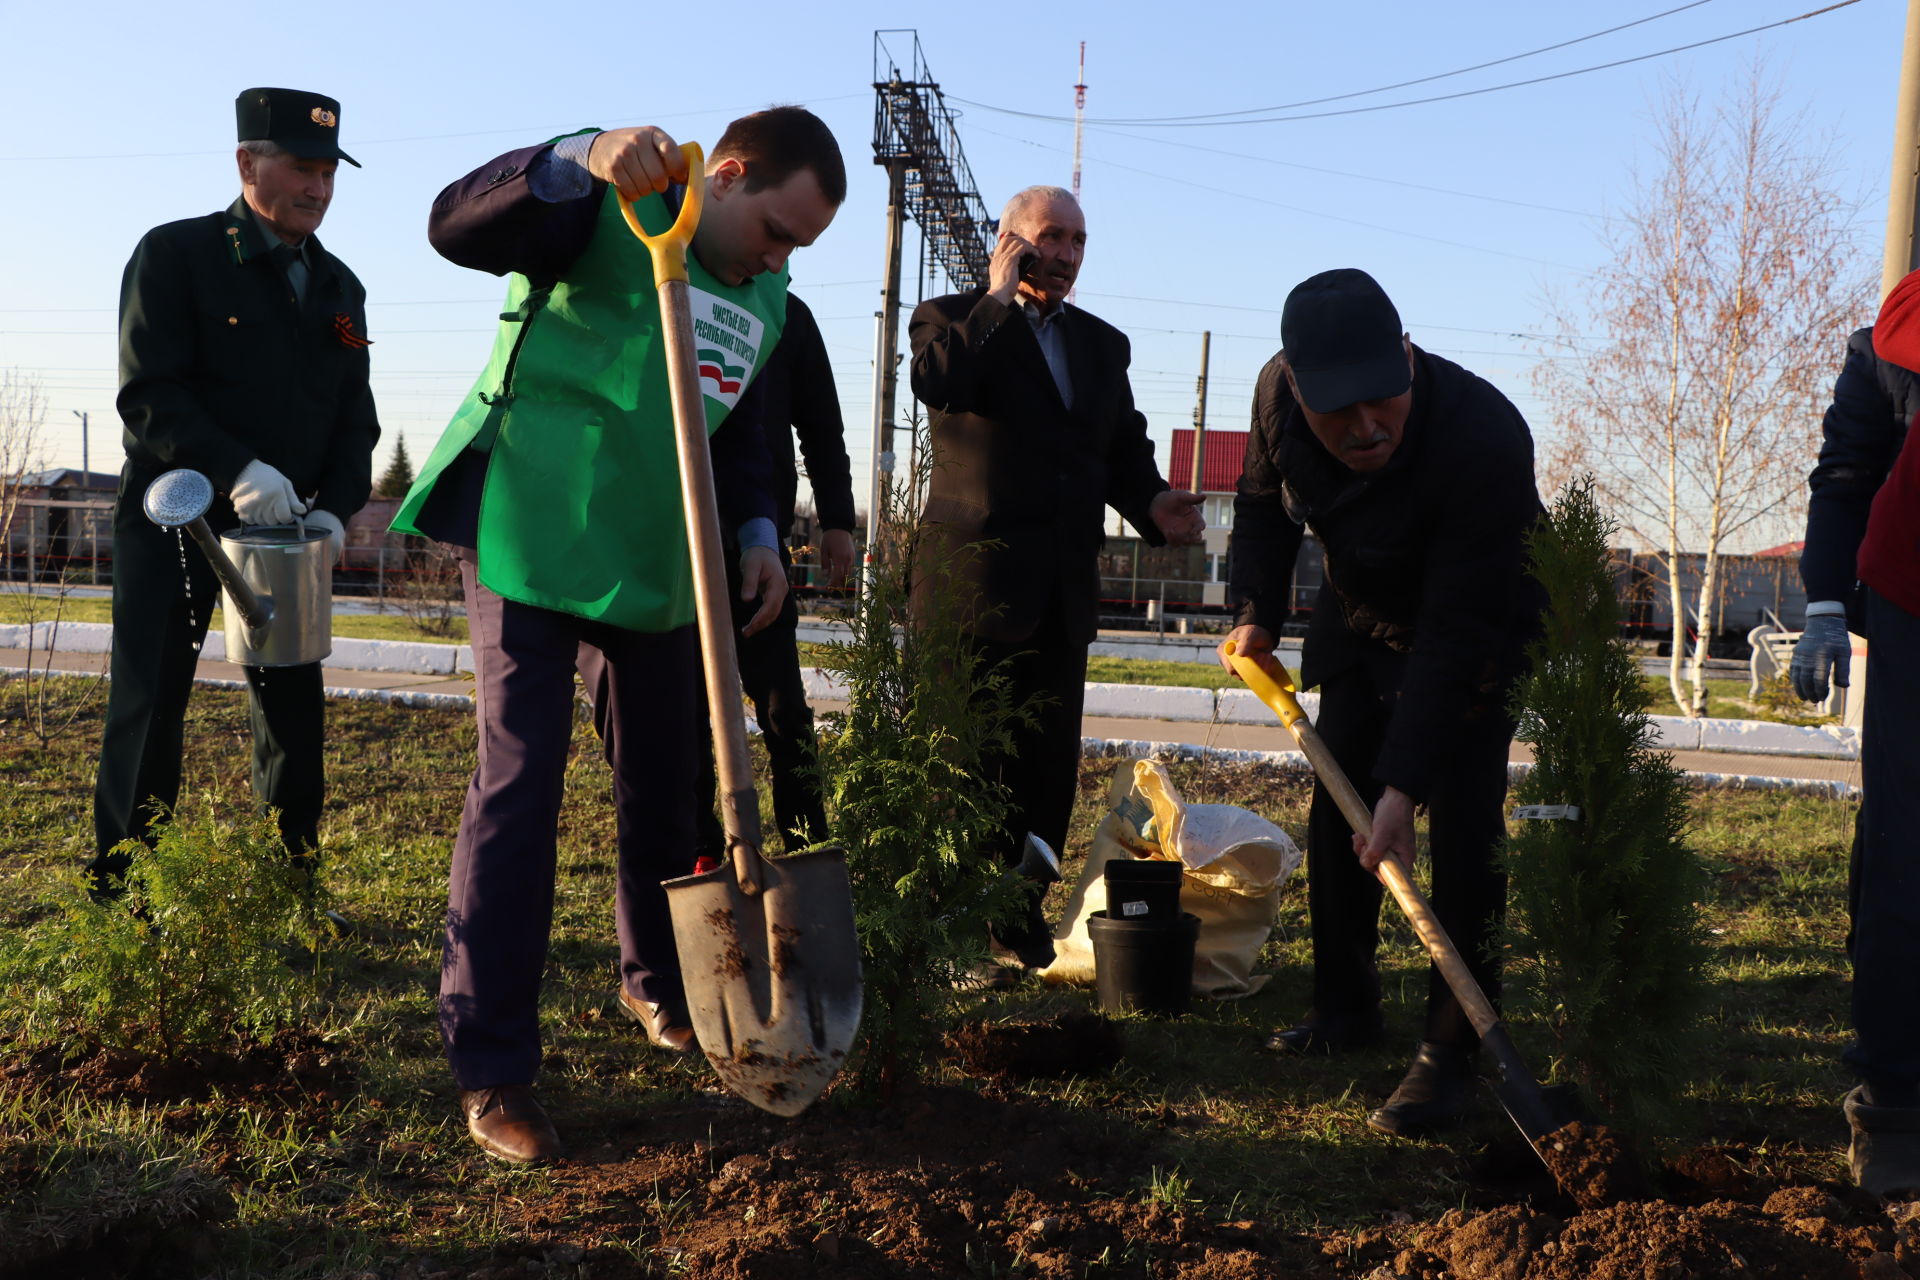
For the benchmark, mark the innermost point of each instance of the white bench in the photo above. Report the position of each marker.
(1772, 655)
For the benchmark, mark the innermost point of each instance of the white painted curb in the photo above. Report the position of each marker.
(1296, 762)
(1148, 702)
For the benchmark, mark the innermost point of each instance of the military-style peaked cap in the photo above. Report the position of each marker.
(307, 124)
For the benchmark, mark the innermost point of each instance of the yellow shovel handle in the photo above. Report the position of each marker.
(669, 248)
(1269, 681)
(1267, 678)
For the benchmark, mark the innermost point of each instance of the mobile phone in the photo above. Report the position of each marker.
(1028, 261)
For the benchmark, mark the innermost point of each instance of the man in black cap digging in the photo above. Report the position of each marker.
(1417, 477)
(243, 355)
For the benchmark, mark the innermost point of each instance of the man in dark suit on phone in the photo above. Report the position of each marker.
(1034, 434)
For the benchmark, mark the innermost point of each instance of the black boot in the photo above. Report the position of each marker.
(1885, 1152)
(1031, 940)
(1433, 1094)
(1322, 1034)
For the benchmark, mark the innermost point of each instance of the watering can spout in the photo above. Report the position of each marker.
(278, 580)
(180, 499)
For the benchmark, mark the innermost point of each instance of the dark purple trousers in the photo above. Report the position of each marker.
(648, 704)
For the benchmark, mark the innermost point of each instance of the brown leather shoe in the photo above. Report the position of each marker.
(666, 1024)
(510, 1124)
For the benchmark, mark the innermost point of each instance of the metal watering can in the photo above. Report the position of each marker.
(277, 580)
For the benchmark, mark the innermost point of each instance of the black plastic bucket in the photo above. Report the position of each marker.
(1145, 966)
(1144, 889)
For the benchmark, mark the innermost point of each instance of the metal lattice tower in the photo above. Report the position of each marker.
(914, 128)
(915, 138)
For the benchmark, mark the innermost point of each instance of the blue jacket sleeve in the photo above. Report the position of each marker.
(491, 220)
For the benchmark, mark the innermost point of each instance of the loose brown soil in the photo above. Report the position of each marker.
(1795, 1233)
(1073, 1044)
(1592, 1166)
(294, 1069)
(942, 1182)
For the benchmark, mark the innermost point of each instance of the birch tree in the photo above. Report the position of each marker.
(1692, 381)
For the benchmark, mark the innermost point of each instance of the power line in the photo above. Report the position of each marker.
(1517, 335)
(423, 137)
(1310, 168)
(1399, 84)
(1311, 212)
(1441, 97)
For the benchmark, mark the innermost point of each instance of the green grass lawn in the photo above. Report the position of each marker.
(16, 608)
(1238, 1133)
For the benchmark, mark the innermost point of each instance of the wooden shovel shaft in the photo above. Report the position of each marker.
(1446, 957)
(1270, 681)
(739, 802)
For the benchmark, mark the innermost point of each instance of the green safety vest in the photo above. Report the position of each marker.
(581, 510)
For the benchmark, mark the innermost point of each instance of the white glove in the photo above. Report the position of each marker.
(336, 532)
(261, 495)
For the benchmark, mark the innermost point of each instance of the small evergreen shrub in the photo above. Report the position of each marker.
(1605, 941)
(908, 800)
(195, 954)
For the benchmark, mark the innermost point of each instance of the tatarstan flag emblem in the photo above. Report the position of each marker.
(715, 369)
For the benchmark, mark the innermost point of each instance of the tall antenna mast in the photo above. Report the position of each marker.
(1079, 118)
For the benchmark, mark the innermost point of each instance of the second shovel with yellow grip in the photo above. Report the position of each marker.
(1538, 1112)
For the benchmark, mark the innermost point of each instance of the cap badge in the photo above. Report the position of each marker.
(323, 117)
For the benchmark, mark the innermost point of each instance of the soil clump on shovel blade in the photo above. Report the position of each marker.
(1592, 1166)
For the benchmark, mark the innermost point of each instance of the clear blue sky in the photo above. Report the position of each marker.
(116, 117)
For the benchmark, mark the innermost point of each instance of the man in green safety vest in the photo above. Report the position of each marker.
(557, 480)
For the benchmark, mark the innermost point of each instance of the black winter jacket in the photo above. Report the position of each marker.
(1873, 401)
(1426, 583)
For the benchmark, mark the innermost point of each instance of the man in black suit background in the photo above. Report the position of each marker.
(1034, 434)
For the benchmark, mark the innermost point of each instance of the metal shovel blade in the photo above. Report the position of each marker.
(772, 978)
(1536, 1110)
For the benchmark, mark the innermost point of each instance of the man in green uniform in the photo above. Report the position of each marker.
(558, 481)
(243, 355)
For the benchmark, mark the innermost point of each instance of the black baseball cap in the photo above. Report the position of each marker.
(307, 124)
(1342, 339)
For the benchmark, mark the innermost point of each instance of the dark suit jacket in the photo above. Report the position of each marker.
(1015, 467)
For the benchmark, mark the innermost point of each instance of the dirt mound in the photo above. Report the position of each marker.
(1073, 1044)
(1799, 1234)
(942, 1182)
(295, 1067)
